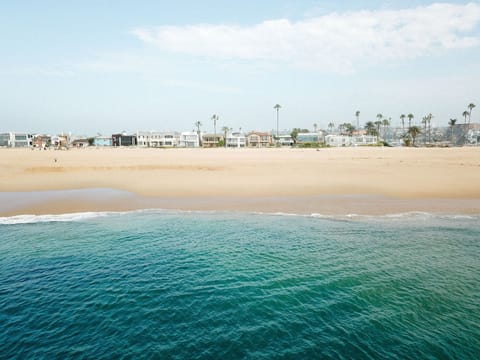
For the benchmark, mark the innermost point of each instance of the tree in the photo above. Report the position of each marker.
(402, 119)
(315, 126)
(215, 118)
(410, 118)
(348, 128)
(331, 126)
(451, 123)
(386, 124)
(277, 107)
(225, 130)
(198, 124)
(429, 123)
(470, 108)
(465, 130)
(91, 141)
(378, 123)
(424, 122)
(371, 128)
(414, 131)
(294, 135)
(357, 115)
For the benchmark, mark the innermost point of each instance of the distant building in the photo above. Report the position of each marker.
(41, 141)
(124, 140)
(211, 140)
(345, 140)
(157, 139)
(80, 143)
(189, 139)
(236, 140)
(338, 140)
(59, 141)
(310, 137)
(259, 139)
(102, 141)
(12, 139)
(285, 140)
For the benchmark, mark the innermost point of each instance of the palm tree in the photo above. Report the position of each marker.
(470, 107)
(277, 107)
(429, 122)
(331, 126)
(402, 119)
(215, 118)
(410, 118)
(424, 122)
(386, 124)
(465, 130)
(225, 130)
(315, 126)
(378, 123)
(452, 124)
(414, 131)
(198, 124)
(357, 115)
(371, 129)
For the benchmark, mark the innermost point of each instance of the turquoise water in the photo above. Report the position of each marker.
(159, 284)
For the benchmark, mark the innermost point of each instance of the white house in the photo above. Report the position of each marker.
(285, 140)
(157, 139)
(338, 140)
(15, 139)
(311, 137)
(189, 139)
(345, 140)
(236, 140)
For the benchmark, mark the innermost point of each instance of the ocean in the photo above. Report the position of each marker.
(168, 284)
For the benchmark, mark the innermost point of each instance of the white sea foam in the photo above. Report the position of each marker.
(81, 216)
(30, 219)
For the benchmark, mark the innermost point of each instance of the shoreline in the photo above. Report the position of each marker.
(304, 181)
(58, 202)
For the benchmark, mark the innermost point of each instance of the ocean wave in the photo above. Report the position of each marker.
(81, 216)
(31, 219)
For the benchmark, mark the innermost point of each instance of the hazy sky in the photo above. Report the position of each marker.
(107, 66)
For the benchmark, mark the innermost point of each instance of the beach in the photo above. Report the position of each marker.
(360, 180)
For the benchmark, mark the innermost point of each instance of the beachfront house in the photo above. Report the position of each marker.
(310, 138)
(59, 141)
(338, 140)
(157, 139)
(80, 143)
(259, 139)
(124, 140)
(365, 140)
(211, 140)
(12, 139)
(285, 140)
(189, 139)
(100, 140)
(236, 140)
(41, 141)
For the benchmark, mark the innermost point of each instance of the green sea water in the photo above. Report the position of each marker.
(165, 284)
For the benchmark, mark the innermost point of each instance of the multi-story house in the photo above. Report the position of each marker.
(157, 139)
(236, 140)
(189, 139)
(12, 139)
(259, 139)
(124, 140)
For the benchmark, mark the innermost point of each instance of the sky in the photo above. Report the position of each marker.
(91, 67)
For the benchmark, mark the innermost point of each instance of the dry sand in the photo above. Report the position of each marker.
(336, 180)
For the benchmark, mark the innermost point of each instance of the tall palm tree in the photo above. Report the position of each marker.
(386, 124)
(315, 126)
(198, 124)
(424, 122)
(452, 124)
(277, 107)
(225, 130)
(215, 119)
(357, 115)
(465, 130)
(402, 119)
(410, 118)
(470, 107)
(429, 123)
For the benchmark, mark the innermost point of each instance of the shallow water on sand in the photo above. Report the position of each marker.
(223, 285)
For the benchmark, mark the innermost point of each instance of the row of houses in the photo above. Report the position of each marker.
(190, 139)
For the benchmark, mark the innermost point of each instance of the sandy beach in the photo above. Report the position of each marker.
(370, 180)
